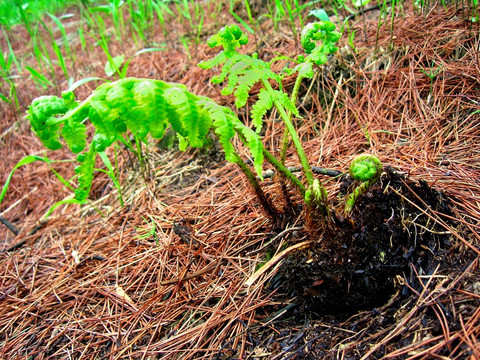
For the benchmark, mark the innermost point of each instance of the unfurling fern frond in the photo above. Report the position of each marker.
(75, 135)
(323, 32)
(39, 113)
(85, 173)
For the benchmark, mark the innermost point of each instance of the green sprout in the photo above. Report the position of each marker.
(367, 169)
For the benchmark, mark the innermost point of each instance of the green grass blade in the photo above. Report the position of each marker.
(39, 78)
(62, 30)
(60, 58)
(83, 81)
(12, 54)
(4, 98)
(26, 160)
(63, 202)
(111, 174)
(240, 20)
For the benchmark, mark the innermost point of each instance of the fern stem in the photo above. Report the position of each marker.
(353, 197)
(281, 168)
(266, 204)
(139, 152)
(291, 129)
(293, 98)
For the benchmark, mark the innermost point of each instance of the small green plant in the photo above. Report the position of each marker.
(146, 107)
(241, 72)
(365, 169)
(113, 8)
(7, 75)
(141, 106)
(432, 74)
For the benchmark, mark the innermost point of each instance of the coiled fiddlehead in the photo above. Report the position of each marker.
(367, 169)
(323, 31)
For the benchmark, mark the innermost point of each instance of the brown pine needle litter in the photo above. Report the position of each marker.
(169, 276)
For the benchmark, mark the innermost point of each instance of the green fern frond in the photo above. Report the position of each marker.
(260, 108)
(232, 82)
(147, 111)
(286, 102)
(305, 70)
(85, 173)
(75, 135)
(222, 123)
(39, 113)
(245, 83)
(230, 37)
(216, 61)
(323, 32)
(227, 68)
(241, 65)
(254, 143)
(103, 118)
(120, 97)
(187, 118)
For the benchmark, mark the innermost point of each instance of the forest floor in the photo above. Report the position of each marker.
(170, 274)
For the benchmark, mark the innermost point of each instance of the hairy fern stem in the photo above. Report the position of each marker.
(262, 198)
(282, 169)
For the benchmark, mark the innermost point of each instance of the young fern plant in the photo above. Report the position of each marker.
(147, 107)
(143, 107)
(240, 72)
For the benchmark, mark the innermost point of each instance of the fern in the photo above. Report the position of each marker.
(85, 173)
(232, 66)
(260, 108)
(147, 104)
(243, 72)
(142, 107)
(286, 102)
(223, 120)
(254, 144)
(324, 32)
(187, 118)
(146, 107)
(217, 60)
(40, 112)
(75, 135)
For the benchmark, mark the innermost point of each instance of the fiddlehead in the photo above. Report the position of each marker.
(367, 169)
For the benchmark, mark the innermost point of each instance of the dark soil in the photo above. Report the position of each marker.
(354, 265)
